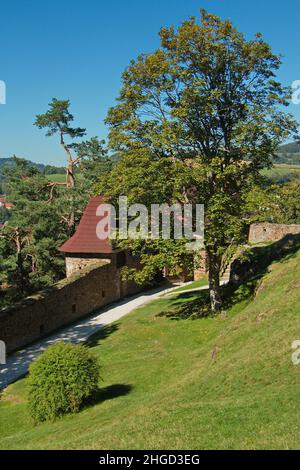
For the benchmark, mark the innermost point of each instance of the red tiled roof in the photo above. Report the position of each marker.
(85, 239)
(8, 205)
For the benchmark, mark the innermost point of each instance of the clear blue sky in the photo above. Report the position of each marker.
(78, 49)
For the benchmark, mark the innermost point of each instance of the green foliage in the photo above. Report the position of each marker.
(90, 154)
(145, 179)
(274, 203)
(46, 209)
(36, 228)
(60, 380)
(149, 180)
(46, 169)
(155, 256)
(94, 161)
(288, 197)
(206, 91)
(58, 119)
(4, 215)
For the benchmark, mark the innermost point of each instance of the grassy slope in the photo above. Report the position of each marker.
(163, 389)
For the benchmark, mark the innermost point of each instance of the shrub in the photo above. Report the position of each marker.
(60, 379)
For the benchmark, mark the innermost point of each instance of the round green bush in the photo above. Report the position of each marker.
(60, 379)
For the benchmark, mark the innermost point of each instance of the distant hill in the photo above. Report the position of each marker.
(293, 147)
(47, 169)
(289, 154)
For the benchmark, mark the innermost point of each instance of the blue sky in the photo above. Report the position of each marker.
(78, 49)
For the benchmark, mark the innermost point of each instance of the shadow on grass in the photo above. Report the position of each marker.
(108, 393)
(246, 274)
(188, 305)
(250, 267)
(102, 334)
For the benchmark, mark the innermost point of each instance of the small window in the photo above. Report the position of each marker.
(74, 308)
(103, 294)
(42, 330)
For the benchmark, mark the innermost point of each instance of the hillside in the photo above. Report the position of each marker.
(47, 169)
(56, 174)
(176, 381)
(10, 162)
(293, 147)
(289, 154)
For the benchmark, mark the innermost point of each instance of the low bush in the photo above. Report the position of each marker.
(60, 380)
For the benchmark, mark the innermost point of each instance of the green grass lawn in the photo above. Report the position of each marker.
(57, 178)
(175, 382)
(281, 172)
(193, 285)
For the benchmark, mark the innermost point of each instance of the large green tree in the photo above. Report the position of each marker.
(210, 95)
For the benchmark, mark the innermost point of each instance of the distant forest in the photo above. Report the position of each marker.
(45, 169)
(289, 154)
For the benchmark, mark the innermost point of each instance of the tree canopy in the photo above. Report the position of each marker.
(209, 95)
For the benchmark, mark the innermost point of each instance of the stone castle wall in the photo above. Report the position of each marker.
(76, 264)
(267, 232)
(69, 300)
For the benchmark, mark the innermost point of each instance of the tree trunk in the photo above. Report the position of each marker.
(214, 265)
(71, 224)
(70, 179)
(20, 271)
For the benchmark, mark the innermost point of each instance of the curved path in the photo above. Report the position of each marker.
(17, 364)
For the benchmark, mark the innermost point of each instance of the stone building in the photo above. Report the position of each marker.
(84, 248)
